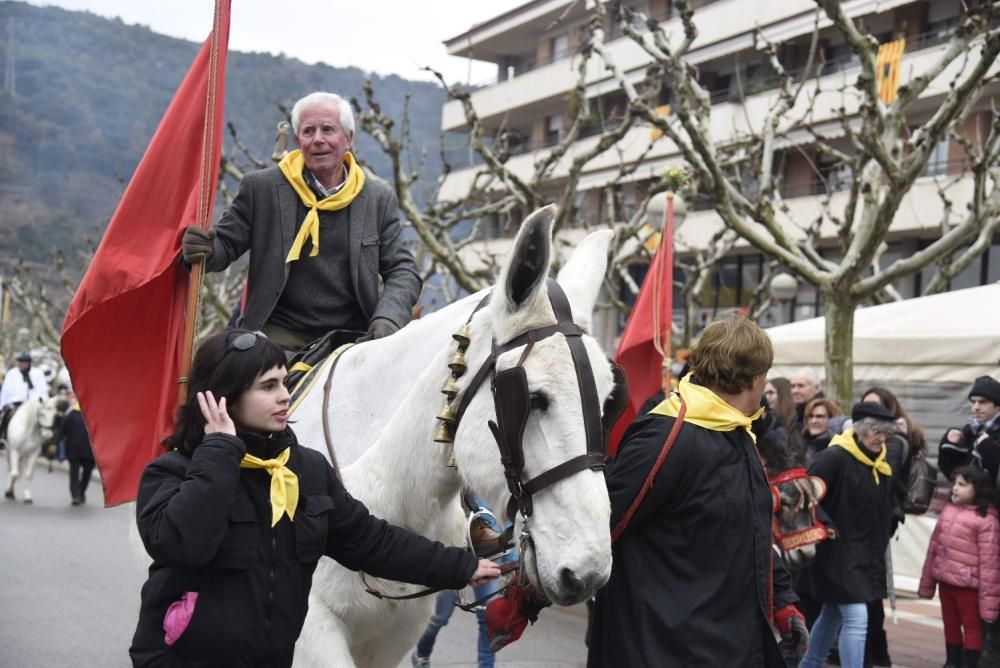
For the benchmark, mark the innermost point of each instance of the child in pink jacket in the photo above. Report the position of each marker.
(964, 558)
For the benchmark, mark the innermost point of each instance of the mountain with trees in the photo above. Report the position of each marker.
(83, 95)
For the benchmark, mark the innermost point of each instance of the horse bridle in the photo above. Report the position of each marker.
(512, 401)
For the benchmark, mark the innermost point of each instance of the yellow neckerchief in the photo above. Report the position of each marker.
(284, 483)
(706, 409)
(847, 442)
(291, 166)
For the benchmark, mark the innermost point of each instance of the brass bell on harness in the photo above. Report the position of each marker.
(457, 363)
(452, 464)
(447, 415)
(443, 433)
(450, 388)
(462, 335)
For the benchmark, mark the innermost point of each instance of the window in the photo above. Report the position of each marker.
(938, 162)
(560, 47)
(553, 129)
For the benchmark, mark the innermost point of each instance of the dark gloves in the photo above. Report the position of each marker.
(196, 244)
(379, 328)
(791, 624)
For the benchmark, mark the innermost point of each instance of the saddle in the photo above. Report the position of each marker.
(315, 353)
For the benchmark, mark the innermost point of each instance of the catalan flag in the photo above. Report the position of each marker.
(887, 66)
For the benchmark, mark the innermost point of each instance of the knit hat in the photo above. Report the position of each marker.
(870, 409)
(986, 387)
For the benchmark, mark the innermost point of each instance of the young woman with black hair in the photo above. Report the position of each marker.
(237, 515)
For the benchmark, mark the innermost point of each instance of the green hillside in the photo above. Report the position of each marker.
(88, 93)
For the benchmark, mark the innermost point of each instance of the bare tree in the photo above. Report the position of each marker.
(887, 147)
(448, 225)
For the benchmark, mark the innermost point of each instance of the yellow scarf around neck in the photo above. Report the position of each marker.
(847, 442)
(291, 166)
(284, 483)
(706, 409)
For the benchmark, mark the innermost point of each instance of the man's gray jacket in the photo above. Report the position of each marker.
(264, 219)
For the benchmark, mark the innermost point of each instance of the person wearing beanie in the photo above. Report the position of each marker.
(850, 569)
(978, 442)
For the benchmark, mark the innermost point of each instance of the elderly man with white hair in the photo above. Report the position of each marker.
(320, 232)
(805, 387)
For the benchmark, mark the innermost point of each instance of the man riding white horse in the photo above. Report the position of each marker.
(21, 383)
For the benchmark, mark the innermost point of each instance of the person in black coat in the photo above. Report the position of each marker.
(978, 442)
(849, 570)
(237, 516)
(79, 453)
(694, 580)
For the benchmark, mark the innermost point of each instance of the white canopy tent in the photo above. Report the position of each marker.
(949, 337)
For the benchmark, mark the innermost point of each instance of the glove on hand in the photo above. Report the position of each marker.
(196, 244)
(507, 616)
(379, 328)
(791, 624)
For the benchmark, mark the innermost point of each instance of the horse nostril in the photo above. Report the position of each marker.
(570, 582)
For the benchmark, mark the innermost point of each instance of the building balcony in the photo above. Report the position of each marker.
(721, 31)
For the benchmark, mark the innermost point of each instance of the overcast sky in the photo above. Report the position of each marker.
(384, 36)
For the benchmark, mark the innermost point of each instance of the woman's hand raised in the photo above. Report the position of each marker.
(487, 570)
(217, 418)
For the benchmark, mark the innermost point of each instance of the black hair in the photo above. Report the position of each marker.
(225, 371)
(981, 483)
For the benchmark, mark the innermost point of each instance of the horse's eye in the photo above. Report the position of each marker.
(539, 401)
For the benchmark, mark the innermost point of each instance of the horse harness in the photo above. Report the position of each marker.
(512, 401)
(513, 404)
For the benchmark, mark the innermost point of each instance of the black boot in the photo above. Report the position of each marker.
(954, 656)
(971, 658)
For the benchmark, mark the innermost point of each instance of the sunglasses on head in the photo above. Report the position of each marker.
(245, 341)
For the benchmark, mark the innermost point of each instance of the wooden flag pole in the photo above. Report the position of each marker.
(663, 286)
(192, 318)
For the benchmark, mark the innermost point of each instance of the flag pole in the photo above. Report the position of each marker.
(663, 285)
(192, 319)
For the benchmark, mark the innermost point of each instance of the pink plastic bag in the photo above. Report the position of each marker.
(179, 616)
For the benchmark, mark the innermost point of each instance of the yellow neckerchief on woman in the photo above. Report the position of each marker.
(706, 409)
(847, 442)
(284, 483)
(291, 166)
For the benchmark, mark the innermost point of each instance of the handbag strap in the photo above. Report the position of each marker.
(668, 444)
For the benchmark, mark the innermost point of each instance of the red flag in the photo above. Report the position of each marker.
(122, 337)
(647, 332)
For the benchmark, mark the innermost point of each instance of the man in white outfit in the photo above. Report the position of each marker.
(21, 383)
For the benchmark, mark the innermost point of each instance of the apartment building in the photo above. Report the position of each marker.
(534, 47)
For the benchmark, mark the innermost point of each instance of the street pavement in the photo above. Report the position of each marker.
(71, 596)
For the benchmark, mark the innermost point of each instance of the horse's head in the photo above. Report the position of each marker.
(549, 381)
(797, 527)
(50, 413)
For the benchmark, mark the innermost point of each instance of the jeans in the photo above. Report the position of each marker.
(854, 617)
(443, 608)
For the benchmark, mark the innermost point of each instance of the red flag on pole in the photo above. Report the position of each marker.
(646, 339)
(122, 337)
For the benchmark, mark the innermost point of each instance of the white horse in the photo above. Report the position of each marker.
(33, 423)
(385, 397)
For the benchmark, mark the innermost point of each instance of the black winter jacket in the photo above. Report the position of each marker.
(850, 568)
(207, 525)
(76, 437)
(985, 453)
(691, 575)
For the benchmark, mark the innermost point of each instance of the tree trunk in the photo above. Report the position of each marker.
(838, 309)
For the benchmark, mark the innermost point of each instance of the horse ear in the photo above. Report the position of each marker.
(527, 266)
(818, 487)
(582, 275)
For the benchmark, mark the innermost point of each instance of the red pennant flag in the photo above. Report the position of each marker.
(122, 337)
(639, 350)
